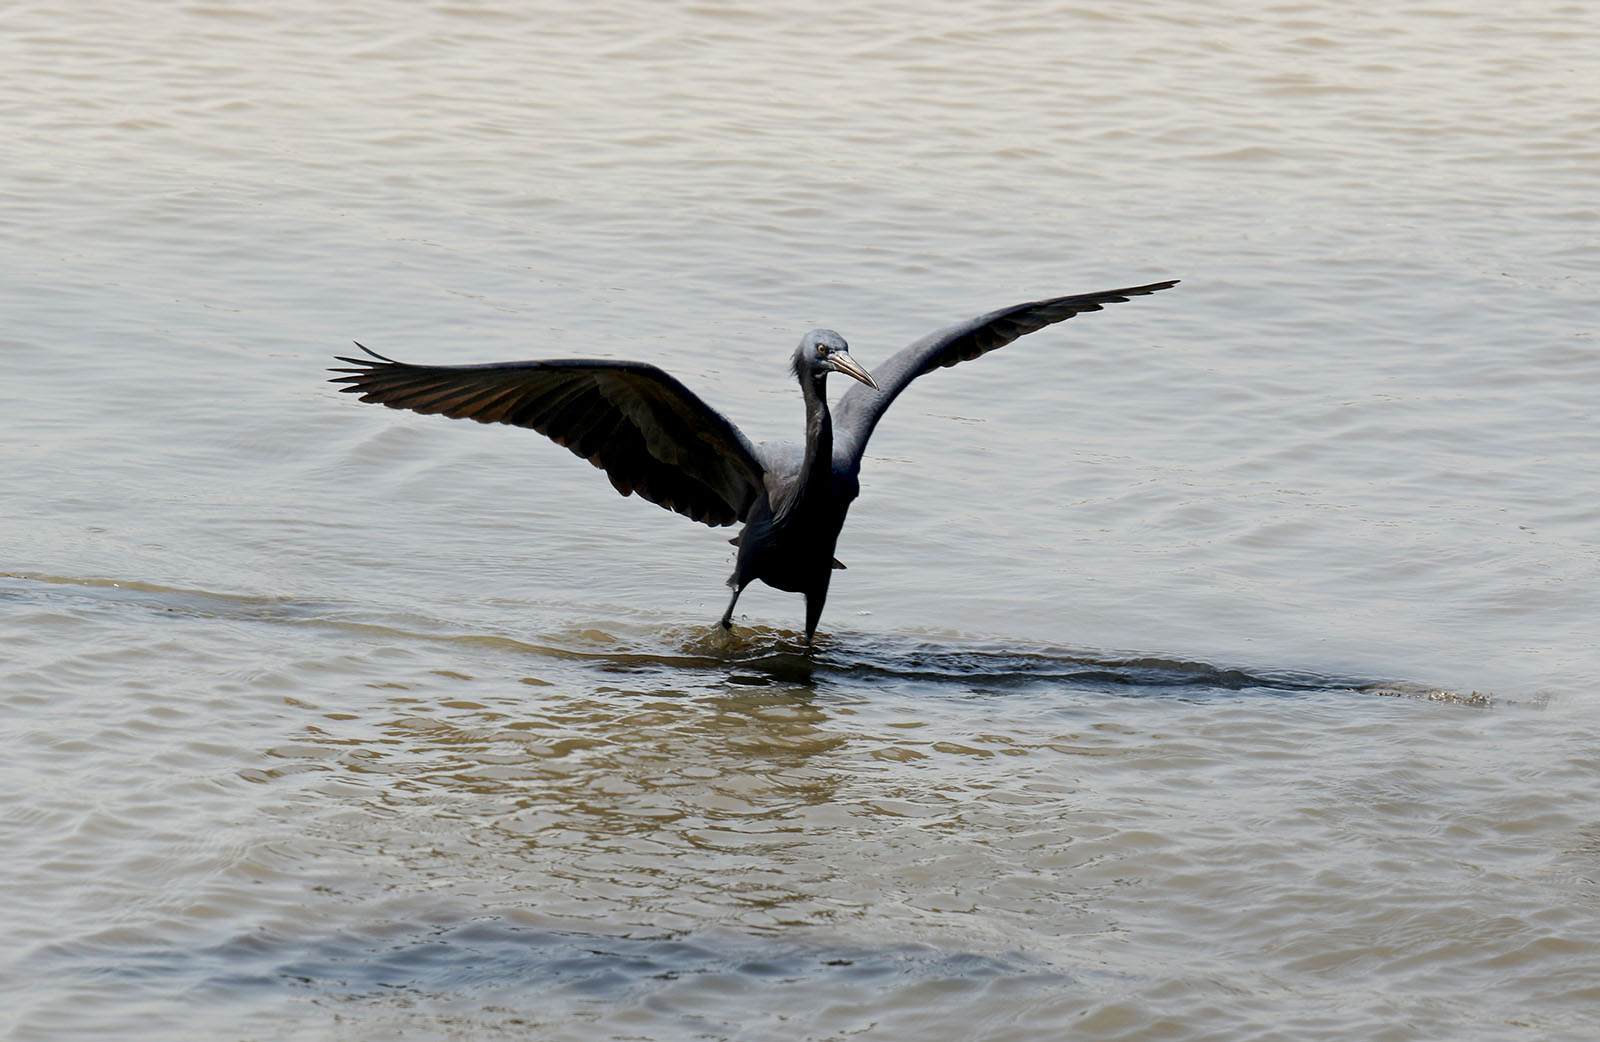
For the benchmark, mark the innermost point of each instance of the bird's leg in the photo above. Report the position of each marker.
(727, 616)
(814, 603)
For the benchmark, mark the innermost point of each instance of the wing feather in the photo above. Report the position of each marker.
(650, 434)
(861, 407)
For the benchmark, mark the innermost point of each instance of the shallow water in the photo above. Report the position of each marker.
(1219, 665)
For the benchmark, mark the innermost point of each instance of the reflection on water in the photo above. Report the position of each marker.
(492, 954)
(757, 656)
(699, 833)
(711, 983)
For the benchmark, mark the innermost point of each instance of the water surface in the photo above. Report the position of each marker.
(1219, 665)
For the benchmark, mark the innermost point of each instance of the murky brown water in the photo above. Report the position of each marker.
(1217, 666)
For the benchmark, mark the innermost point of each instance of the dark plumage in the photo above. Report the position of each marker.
(652, 436)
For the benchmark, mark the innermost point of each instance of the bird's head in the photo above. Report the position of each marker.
(822, 351)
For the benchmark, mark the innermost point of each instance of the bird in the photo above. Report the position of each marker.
(655, 438)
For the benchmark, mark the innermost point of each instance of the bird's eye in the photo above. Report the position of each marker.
(822, 350)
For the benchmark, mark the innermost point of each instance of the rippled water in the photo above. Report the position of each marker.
(1219, 665)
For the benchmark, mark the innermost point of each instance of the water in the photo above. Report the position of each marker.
(1219, 665)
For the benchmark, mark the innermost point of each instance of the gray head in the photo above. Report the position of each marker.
(822, 351)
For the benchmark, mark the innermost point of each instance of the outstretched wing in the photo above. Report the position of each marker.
(648, 432)
(861, 406)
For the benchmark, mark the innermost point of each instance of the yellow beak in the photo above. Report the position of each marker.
(840, 361)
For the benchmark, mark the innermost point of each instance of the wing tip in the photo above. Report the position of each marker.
(374, 354)
(1120, 296)
(362, 366)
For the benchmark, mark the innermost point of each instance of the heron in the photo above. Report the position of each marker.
(655, 438)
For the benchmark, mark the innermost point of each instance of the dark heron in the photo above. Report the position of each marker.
(651, 435)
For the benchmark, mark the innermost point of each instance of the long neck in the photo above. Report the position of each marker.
(819, 434)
